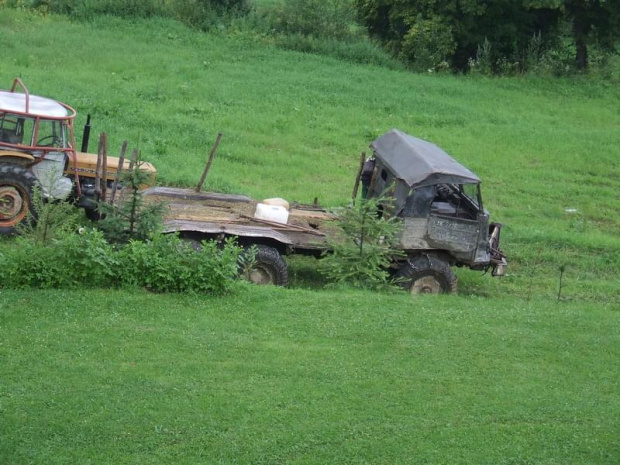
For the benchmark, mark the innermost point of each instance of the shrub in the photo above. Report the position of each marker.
(204, 14)
(71, 261)
(49, 219)
(198, 13)
(88, 9)
(163, 264)
(166, 264)
(326, 19)
(355, 50)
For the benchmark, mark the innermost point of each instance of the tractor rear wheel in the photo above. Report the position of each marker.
(16, 191)
(427, 274)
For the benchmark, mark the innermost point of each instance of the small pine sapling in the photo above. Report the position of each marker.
(361, 256)
(49, 219)
(131, 217)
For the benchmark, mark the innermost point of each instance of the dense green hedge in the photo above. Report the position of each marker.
(197, 13)
(162, 264)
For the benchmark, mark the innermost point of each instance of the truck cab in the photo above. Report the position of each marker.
(438, 200)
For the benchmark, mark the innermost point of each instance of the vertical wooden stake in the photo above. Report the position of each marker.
(208, 167)
(132, 163)
(119, 171)
(98, 169)
(358, 176)
(104, 167)
(134, 159)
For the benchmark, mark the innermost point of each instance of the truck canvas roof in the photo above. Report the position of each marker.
(419, 163)
(13, 102)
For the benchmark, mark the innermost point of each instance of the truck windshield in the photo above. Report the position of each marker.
(472, 193)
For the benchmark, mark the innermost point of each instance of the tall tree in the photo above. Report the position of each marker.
(592, 21)
(428, 32)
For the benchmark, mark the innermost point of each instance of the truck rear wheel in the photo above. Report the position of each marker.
(16, 191)
(427, 274)
(268, 268)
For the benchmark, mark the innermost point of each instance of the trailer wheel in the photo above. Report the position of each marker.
(427, 274)
(268, 267)
(191, 243)
(16, 190)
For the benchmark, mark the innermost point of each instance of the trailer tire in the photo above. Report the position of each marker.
(268, 267)
(426, 274)
(16, 191)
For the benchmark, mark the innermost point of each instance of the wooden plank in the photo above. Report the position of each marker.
(119, 171)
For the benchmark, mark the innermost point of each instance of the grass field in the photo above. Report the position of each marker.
(276, 376)
(502, 373)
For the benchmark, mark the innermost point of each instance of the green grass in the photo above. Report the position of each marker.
(502, 373)
(273, 376)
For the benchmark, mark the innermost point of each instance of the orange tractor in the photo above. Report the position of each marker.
(37, 149)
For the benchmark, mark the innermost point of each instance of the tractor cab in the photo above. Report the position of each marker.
(37, 132)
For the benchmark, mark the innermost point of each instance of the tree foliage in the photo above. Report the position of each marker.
(362, 256)
(431, 34)
(592, 22)
(132, 217)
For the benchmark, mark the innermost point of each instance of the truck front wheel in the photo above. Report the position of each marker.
(16, 190)
(426, 274)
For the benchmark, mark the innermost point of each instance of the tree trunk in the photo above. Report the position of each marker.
(582, 52)
(580, 31)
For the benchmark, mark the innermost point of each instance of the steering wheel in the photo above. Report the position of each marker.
(54, 142)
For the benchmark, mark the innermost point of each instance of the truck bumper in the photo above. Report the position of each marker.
(498, 259)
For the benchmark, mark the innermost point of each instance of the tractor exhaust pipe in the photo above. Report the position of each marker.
(86, 135)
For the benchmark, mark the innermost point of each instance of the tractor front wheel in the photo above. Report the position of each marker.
(16, 191)
(427, 274)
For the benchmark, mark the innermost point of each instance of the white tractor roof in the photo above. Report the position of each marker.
(39, 106)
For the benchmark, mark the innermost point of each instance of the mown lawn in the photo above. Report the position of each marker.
(274, 376)
(501, 373)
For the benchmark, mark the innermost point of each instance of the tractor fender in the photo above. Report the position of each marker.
(13, 156)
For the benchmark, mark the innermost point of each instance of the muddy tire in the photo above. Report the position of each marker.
(16, 191)
(93, 214)
(190, 243)
(426, 274)
(269, 268)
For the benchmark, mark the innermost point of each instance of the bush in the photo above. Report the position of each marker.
(197, 13)
(204, 14)
(49, 219)
(163, 264)
(72, 261)
(88, 9)
(167, 264)
(326, 19)
(131, 217)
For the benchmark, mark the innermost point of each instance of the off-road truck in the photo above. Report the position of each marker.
(439, 202)
(37, 148)
(437, 199)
